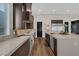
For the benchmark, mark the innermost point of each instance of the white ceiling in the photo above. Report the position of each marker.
(55, 8)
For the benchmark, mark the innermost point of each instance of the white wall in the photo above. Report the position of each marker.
(46, 18)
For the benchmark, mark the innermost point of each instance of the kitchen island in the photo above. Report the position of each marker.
(64, 45)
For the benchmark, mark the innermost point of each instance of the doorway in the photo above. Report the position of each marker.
(39, 29)
(66, 27)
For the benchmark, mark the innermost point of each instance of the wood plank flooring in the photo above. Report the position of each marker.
(41, 48)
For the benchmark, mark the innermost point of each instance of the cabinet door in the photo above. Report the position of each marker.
(23, 50)
(55, 46)
(48, 39)
(52, 43)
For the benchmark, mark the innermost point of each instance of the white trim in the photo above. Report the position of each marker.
(8, 20)
(69, 27)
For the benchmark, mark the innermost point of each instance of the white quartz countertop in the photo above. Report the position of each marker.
(9, 46)
(64, 36)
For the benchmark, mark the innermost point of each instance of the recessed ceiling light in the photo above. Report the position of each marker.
(39, 10)
(53, 10)
(67, 10)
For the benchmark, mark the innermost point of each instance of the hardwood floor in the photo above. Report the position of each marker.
(41, 48)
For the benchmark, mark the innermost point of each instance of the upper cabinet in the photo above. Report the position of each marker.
(27, 15)
(57, 21)
(22, 16)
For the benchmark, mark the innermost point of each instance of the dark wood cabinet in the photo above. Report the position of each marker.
(55, 46)
(52, 40)
(27, 17)
(23, 50)
(23, 13)
(47, 39)
(56, 21)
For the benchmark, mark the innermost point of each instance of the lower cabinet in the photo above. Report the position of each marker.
(55, 46)
(47, 39)
(23, 50)
(52, 43)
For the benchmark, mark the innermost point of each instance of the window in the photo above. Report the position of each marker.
(4, 19)
(57, 26)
